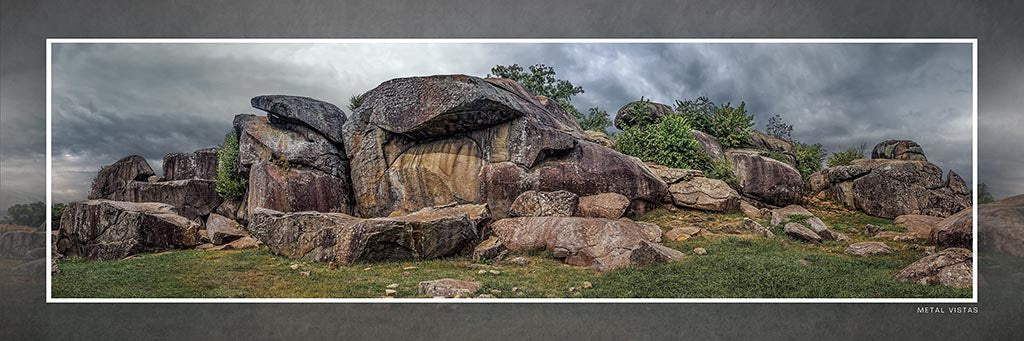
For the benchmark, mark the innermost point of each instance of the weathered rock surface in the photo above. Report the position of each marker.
(627, 115)
(604, 205)
(705, 194)
(601, 244)
(200, 164)
(326, 118)
(20, 244)
(766, 179)
(544, 204)
(190, 198)
(951, 267)
(222, 230)
(1001, 226)
(813, 223)
(490, 248)
(283, 143)
(709, 144)
(113, 179)
(598, 137)
(898, 150)
(918, 226)
(673, 175)
(104, 229)
(770, 143)
(890, 188)
(346, 239)
(868, 249)
(752, 225)
(800, 232)
(750, 211)
(652, 253)
(296, 190)
(448, 287)
(782, 215)
(955, 231)
(682, 233)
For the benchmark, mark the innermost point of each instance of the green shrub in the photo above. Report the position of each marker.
(230, 183)
(808, 158)
(597, 120)
(722, 170)
(777, 156)
(700, 112)
(844, 158)
(730, 125)
(354, 102)
(667, 142)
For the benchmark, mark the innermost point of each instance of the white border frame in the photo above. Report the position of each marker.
(974, 157)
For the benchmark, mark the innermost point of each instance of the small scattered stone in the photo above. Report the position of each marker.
(805, 262)
(294, 266)
(872, 229)
(392, 286)
(495, 292)
(304, 273)
(332, 266)
(448, 287)
(410, 268)
(572, 289)
(481, 272)
(406, 273)
(588, 285)
(868, 249)
(700, 251)
(495, 272)
(485, 296)
(364, 269)
(515, 289)
(521, 261)
(390, 292)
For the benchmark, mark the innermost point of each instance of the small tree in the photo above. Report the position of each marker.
(778, 128)
(700, 112)
(809, 158)
(596, 120)
(354, 102)
(845, 157)
(731, 125)
(230, 183)
(541, 81)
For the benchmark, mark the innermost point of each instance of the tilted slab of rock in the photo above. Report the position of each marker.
(801, 232)
(260, 140)
(868, 249)
(890, 188)
(601, 244)
(544, 204)
(951, 267)
(297, 189)
(673, 175)
(705, 194)
(345, 239)
(752, 225)
(105, 229)
(627, 115)
(955, 231)
(200, 164)
(1001, 225)
(709, 144)
(604, 205)
(766, 179)
(898, 150)
(770, 143)
(221, 230)
(323, 117)
(812, 223)
(20, 244)
(114, 178)
(190, 198)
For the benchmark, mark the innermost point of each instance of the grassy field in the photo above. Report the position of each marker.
(736, 266)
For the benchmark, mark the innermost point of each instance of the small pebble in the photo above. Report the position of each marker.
(481, 272)
(700, 251)
(392, 285)
(390, 292)
(406, 274)
(305, 273)
(588, 285)
(495, 272)
(294, 266)
(409, 268)
(364, 269)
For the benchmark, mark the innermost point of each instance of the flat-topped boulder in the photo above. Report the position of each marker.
(604, 205)
(200, 164)
(325, 118)
(705, 194)
(898, 150)
(112, 179)
(190, 198)
(297, 189)
(601, 244)
(105, 229)
(889, 188)
(628, 115)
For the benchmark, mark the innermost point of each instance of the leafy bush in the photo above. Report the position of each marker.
(597, 120)
(779, 129)
(667, 142)
(776, 155)
(32, 215)
(541, 81)
(643, 113)
(230, 183)
(844, 158)
(354, 102)
(808, 158)
(730, 125)
(722, 170)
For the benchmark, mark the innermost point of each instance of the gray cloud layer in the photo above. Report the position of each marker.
(112, 100)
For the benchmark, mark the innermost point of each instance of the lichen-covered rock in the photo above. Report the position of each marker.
(709, 144)
(770, 143)
(898, 150)
(326, 118)
(345, 239)
(765, 179)
(20, 244)
(627, 115)
(750, 211)
(221, 230)
(673, 175)
(601, 244)
(890, 188)
(190, 198)
(200, 164)
(598, 137)
(868, 249)
(297, 189)
(955, 231)
(604, 205)
(800, 232)
(652, 253)
(1001, 225)
(105, 229)
(951, 267)
(448, 287)
(752, 225)
(284, 143)
(490, 248)
(705, 194)
(813, 223)
(544, 204)
(112, 179)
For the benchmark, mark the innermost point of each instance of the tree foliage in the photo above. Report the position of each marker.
(354, 102)
(669, 142)
(230, 183)
(596, 120)
(809, 157)
(56, 212)
(32, 214)
(729, 124)
(844, 157)
(778, 128)
(540, 80)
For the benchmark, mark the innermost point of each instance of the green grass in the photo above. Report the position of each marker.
(735, 266)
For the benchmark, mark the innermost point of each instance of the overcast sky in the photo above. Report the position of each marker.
(113, 100)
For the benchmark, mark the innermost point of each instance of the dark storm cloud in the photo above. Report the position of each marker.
(151, 99)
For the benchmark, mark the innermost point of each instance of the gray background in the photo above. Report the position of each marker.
(25, 24)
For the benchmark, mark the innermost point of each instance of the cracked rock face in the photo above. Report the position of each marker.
(898, 150)
(325, 118)
(200, 164)
(105, 229)
(545, 204)
(705, 194)
(890, 188)
(114, 178)
(951, 267)
(1001, 225)
(294, 144)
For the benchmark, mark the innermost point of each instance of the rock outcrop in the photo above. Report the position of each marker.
(1001, 226)
(955, 231)
(200, 164)
(705, 194)
(898, 150)
(601, 244)
(105, 229)
(770, 143)
(326, 118)
(951, 267)
(627, 115)
(21, 244)
(604, 205)
(221, 230)
(296, 189)
(544, 204)
(765, 179)
(113, 179)
(190, 198)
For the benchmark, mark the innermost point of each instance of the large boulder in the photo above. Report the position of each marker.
(890, 188)
(770, 143)
(604, 205)
(601, 244)
(112, 179)
(627, 115)
(951, 267)
(545, 204)
(425, 141)
(222, 230)
(200, 164)
(190, 198)
(105, 229)
(898, 150)
(326, 118)
(346, 239)
(709, 144)
(21, 244)
(1001, 225)
(705, 194)
(956, 230)
(765, 179)
(285, 143)
(296, 189)
(807, 221)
